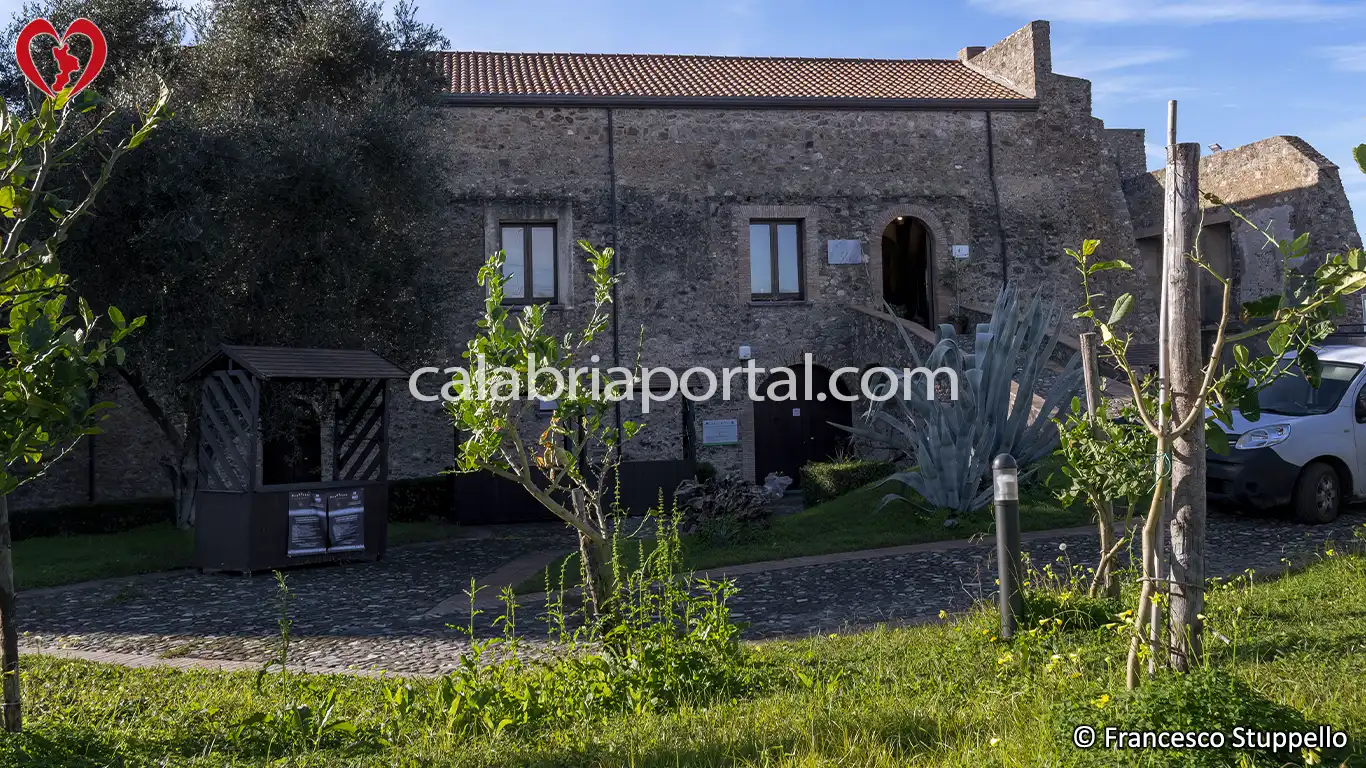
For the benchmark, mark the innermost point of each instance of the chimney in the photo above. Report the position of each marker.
(1020, 62)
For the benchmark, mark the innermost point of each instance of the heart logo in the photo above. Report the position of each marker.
(67, 64)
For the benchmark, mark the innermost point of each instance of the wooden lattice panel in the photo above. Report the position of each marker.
(360, 431)
(226, 457)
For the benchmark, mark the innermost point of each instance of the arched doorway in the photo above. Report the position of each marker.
(907, 279)
(789, 433)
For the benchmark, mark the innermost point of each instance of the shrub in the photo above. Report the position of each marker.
(93, 518)
(419, 499)
(724, 508)
(826, 480)
(705, 471)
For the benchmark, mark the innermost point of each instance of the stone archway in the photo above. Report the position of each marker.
(907, 248)
(908, 270)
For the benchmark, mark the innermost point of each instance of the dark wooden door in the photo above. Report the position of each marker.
(791, 433)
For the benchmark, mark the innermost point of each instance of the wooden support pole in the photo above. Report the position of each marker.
(1185, 375)
(1155, 556)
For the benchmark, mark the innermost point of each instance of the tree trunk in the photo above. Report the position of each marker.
(186, 480)
(9, 629)
(599, 587)
(1187, 587)
(1105, 581)
(183, 470)
(1144, 616)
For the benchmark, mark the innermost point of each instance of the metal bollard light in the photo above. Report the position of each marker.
(1006, 480)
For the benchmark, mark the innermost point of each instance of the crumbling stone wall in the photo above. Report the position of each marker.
(1280, 184)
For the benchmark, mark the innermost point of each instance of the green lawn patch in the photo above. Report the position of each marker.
(56, 560)
(946, 695)
(847, 524)
(416, 533)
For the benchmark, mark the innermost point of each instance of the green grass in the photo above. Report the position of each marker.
(941, 695)
(57, 560)
(416, 533)
(849, 523)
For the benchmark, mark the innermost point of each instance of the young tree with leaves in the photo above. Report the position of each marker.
(572, 464)
(54, 350)
(1106, 460)
(1292, 322)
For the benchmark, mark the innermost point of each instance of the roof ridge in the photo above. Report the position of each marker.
(713, 56)
(490, 74)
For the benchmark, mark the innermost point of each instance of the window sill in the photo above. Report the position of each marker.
(545, 305)
(779, 303)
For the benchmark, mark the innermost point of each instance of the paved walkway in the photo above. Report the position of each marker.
(395, 615)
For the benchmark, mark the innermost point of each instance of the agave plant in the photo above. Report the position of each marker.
(954, 441)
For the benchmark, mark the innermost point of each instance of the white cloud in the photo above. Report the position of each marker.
(1161, 11)
(1348, 58)
(1122, 72)
(1145, 87)
(1085, 64)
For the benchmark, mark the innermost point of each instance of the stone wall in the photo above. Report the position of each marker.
(126, 462)
(1280, 184)
(689, 181)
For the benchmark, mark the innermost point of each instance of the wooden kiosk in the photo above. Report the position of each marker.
(246, 519)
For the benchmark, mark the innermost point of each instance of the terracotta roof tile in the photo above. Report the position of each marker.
(589, 75)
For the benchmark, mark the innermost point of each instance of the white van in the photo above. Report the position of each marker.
(1308, 449)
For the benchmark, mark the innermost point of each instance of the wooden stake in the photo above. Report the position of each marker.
(1156, 555)
(1187, 597)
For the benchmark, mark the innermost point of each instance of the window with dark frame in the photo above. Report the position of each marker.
(775, 260)
(530, 263)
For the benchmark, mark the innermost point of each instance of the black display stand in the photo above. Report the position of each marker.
(245, 525)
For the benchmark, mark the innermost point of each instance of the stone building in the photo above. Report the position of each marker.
(765, 208)
(1282, 185)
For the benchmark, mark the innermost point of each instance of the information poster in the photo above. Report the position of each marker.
(346, 520)
(307, 524)
(721, 432)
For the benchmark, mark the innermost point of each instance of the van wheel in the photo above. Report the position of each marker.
(1318, 494)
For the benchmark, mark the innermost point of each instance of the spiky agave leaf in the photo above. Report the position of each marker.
(954, 441)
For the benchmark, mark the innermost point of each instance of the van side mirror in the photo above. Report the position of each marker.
(1361, 410)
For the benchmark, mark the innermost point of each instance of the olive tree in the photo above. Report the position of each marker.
(299, 196)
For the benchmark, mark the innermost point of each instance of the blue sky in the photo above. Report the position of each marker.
(1242, 69)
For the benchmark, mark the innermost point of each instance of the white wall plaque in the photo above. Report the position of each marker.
(844, 252)
(960, 251)
(721, 432)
